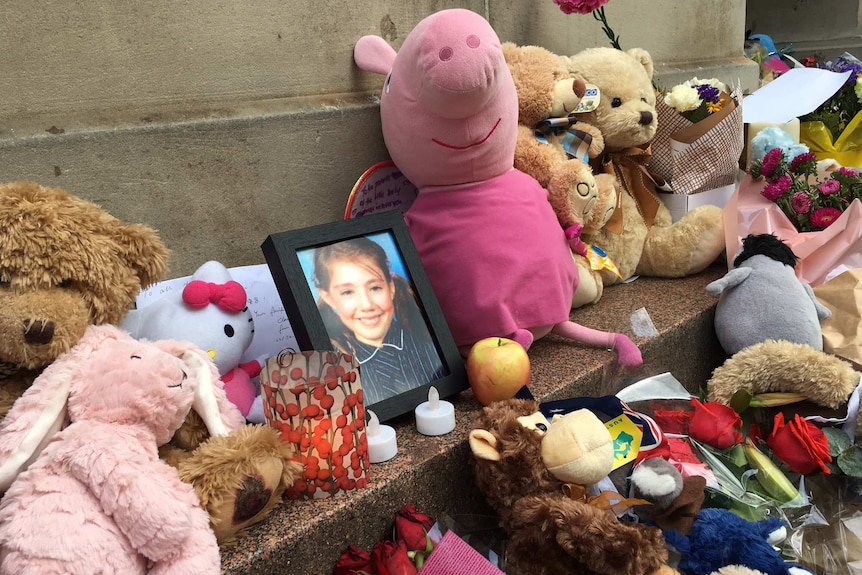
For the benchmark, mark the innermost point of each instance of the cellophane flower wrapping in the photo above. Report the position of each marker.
(702, 156)
(822, 254)
(834, 129)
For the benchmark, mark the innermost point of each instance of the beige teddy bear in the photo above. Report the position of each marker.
(640, 237)
(555, 148)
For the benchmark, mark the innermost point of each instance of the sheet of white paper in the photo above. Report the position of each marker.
(272, 330)
(794, 93)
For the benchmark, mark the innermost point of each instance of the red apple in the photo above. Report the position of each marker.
(497, 368)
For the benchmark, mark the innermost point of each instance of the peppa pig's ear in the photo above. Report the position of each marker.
(374, 54)
(41, 411)
(219, 415)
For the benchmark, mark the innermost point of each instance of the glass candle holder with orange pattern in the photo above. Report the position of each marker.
(314, 399)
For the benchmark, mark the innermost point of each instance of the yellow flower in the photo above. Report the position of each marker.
(858, 87)
(713, 108)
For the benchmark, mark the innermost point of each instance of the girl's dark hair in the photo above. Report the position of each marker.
(369, 252)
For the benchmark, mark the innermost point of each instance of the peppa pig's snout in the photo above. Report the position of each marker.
(462, 76)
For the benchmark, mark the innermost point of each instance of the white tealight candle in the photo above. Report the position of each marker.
(435, 417)
(381, 440)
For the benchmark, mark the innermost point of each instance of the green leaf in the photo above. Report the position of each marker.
(838, 440)
(850, 462)
(740, 401)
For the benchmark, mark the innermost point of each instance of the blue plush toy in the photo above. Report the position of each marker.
(720, 538)
(775, 137)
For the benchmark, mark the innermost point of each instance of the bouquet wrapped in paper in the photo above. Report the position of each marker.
(817, 213)
(699, 139)
(834, 129)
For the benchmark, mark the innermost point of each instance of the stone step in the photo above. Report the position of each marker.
(434, 473)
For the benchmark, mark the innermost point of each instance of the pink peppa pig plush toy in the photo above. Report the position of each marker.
(498, 261)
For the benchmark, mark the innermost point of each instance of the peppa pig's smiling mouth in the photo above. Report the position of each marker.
(468, 146)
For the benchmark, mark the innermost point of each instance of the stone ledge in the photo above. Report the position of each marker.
(306, 537)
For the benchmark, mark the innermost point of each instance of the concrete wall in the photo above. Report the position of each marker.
(824, 28)
(220, 122)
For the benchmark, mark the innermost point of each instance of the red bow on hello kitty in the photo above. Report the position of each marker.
(229, 296)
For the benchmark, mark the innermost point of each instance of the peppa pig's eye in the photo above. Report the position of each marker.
(388, 82)
(134, 357)
(616, 103)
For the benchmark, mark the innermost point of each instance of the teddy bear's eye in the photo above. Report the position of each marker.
(616, 103)
(65, 284)
(542, 427)
(228, 330)
(134, 357)
(643, 100)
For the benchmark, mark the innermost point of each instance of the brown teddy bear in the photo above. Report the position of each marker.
(66, 264)
(554, 148)
(534, 474)
(640, 237)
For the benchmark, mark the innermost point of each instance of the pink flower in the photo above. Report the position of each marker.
(830, 186)
(848, 171)
(777, 188)
(579, 6)
(801, 159)
(822, 218)
(770, 161)
(801, 203)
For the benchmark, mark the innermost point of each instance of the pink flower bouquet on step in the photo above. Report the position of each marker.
(817, 214)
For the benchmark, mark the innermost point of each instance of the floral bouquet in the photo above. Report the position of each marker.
(817, 214)
(699, 138)
(834, 129)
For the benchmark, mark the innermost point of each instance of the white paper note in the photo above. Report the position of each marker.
(793, 94)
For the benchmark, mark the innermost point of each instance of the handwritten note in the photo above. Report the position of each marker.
(272, 330)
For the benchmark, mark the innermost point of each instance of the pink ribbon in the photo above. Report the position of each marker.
(573, 234)
(229, 296)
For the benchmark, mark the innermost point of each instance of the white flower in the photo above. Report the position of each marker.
(683, 98)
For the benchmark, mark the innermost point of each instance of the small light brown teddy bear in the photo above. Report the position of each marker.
(640, 237)
(554, 148)
(66, 264)
(535, 475)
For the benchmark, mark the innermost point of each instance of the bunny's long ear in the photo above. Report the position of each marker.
(41, 411)
(211, 403)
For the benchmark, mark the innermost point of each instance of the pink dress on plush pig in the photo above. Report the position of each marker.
(498, 260)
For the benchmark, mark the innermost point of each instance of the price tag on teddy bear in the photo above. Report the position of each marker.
(590, 101)
(627, 439)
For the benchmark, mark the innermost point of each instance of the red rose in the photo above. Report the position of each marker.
(800, 444)
(715, 424)
(412, 527)
(354, 561)
(390, 558)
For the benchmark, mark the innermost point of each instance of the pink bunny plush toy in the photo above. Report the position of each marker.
(86, 491)
(498, 261)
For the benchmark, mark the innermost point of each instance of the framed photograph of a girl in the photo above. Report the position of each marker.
(358, 286)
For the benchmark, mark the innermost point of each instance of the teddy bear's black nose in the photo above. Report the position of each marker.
(38, 331)
(646, 118)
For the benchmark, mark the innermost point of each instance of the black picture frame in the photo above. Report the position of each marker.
(282, 253)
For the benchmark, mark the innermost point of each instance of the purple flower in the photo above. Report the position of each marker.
(801, 203)
(843, 64)
(801, 159)
(579, 6)
(830, 186)
(822, 218)
(770, 162)
(848, 171)
(707, 93)
(777, 188)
